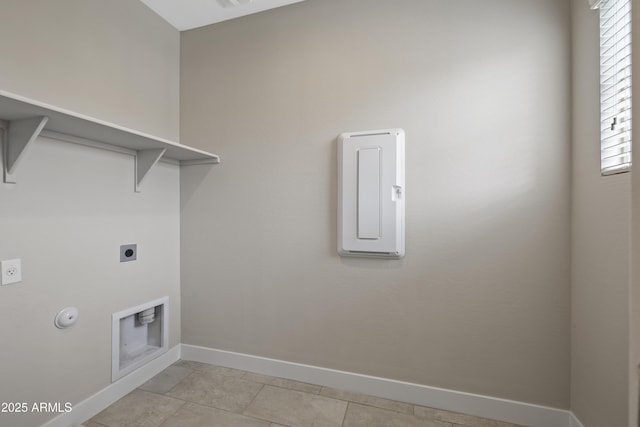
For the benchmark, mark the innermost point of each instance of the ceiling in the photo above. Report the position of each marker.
(188, 14)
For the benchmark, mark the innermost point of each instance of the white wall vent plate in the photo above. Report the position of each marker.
(371, 193)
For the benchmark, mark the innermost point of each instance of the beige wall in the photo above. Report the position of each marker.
(600, 247)
(114, 60)
(481, 301)
(73, 206)
(634, 289)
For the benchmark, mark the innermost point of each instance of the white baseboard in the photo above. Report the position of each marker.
(93, 405)
(472, 404)
(575, 422)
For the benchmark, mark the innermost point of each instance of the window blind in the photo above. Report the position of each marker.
(615, 86)
(594, 4)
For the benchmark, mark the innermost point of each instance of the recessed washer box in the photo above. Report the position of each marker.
(139, 335)
(371, 194)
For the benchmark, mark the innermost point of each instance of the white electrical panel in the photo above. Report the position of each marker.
(371, 194)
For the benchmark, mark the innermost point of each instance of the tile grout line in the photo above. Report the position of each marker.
(209, 406)
(174, 413)
(344, 417)
(254, 417)
(252, 400)
(184, 402)
(370, 405)
(192, 371)
(286, 385)
(228, 375)
(319, 393)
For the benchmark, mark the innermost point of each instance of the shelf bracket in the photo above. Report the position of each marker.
(20, 135)
(145, 160)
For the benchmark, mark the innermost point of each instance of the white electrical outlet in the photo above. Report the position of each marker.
(11, 271)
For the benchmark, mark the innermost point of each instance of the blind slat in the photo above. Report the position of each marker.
(615, 86)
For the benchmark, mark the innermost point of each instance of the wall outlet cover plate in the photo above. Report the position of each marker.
(11, 270)
(128, 253)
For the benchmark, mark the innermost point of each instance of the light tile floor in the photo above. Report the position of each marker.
(192, 394)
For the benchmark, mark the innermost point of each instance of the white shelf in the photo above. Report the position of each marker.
(26, 119)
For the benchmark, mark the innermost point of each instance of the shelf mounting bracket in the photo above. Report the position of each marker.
(20, 135)
(144, 161)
